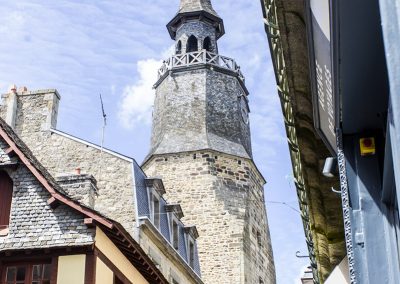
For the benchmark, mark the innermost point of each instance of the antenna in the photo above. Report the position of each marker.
(102, 135)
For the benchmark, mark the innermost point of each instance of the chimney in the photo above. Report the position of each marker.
(8, 108)
(30, 113)
(13, 88)
(22, 89)
(80, 187)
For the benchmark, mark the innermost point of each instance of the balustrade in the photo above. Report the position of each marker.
(197, 58)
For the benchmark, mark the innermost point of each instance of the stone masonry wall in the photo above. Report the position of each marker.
(223, 196)
(36, 114)
(115, 197)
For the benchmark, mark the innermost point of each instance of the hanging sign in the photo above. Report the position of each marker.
(321, 70)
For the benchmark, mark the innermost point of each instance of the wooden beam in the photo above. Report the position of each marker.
(9, 150)
(89, 222)
(53, 203)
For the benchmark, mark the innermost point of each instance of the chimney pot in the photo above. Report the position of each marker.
(78, 171)
(13, 88)
(22, 89)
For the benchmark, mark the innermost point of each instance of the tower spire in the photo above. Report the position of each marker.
(197, 5)
(201, 10)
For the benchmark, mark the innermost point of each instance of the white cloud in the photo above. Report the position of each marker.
(137, 100)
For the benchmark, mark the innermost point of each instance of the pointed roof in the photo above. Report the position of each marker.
(201, 10)
(197, 5)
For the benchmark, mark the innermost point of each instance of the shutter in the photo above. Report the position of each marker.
(6, 190)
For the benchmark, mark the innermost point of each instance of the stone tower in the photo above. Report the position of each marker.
(201, 148)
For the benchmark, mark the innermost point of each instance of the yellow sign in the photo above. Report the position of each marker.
(367, 146)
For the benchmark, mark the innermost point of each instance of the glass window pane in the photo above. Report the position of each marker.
(11, 272)
(36, 272)
(46, 272)
(21, 273)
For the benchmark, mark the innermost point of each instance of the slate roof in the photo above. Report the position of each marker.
(197, 5)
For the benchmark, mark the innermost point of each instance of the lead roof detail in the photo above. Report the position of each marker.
(197, 5)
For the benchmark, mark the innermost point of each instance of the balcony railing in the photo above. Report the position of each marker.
(198, 58)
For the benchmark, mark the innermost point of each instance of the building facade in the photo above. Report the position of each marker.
(352, 88)
(48, 236)
(201, 148)
(108, 183)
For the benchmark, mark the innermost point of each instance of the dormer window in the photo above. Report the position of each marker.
(191, 253)
(191, 236)
(192, 44)
(175, 235)
(156, 211)
(155, 191)
(6, 190)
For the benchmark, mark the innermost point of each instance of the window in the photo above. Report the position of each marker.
(192, 44)
(6, 190)
(259, 239)
(175, 235)
(156, 211)
(28, 274)
(178, 47)
(207, 44)
(191, 253)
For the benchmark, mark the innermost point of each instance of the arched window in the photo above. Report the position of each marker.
(192, 44)
(179, 47)
(207, 44)
(6, 190)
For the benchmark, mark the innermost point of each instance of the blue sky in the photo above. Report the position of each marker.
(114, 47)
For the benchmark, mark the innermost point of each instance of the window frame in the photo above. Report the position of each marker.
(191, 253)
(7, 202)
(153, 195)
(175, 220)
(29, 269)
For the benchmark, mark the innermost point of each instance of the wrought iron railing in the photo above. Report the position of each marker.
(198, 58)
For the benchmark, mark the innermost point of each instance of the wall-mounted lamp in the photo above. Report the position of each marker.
(330, 167)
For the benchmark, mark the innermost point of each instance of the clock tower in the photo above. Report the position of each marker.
(201, 148)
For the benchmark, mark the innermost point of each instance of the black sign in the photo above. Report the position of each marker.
(321, 71)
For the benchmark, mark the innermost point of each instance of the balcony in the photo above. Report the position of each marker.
(200, 58)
